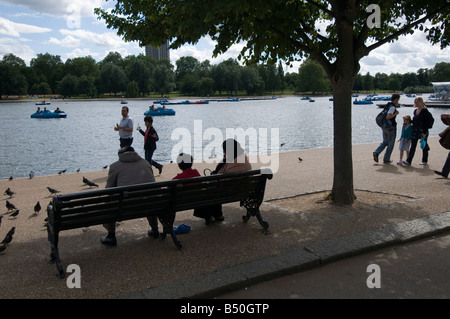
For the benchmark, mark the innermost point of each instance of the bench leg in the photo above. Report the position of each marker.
(54, 253)
(263, 223)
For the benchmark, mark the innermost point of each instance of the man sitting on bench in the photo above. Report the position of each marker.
(128, 170)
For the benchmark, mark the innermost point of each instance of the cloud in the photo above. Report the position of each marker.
(10, 28)
(8, 45)
(59, 8)
(86, 38)
(68, 42)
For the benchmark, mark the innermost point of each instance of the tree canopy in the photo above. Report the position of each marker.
(335, 33)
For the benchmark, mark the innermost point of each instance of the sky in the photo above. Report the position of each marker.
(69, 28)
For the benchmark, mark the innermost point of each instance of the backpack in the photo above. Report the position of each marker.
(381, 117)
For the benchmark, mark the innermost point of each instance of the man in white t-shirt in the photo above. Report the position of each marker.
(389, 132)
(125, 128)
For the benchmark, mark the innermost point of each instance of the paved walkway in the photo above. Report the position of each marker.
(230, 255)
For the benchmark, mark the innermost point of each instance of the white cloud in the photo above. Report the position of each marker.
(59, 8)
(10, 28)
(68, 42)
(8, 45)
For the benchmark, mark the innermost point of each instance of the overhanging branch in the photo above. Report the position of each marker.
(402, 31)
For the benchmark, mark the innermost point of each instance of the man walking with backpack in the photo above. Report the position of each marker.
(389, 127)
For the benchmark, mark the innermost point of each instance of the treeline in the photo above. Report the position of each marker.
(312, 78)
(139, 76)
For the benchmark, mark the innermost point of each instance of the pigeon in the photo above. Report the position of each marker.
(85, 180)
(78, 170)
(105, 167)
(11, 178)
(37, 208)
(9, 235)
(9, 192)
(10, 206)
(91, 184)
(300, 159)
(31, 174)
(52, 190)
(15, 214)
(62, 172)
(282, 144)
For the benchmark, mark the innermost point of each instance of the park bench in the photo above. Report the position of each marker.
(161, 199)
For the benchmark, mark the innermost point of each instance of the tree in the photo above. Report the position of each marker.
(132, 90)
(112, 78)
(68, 85)
(81, 66)
(140, 71)
(311, 77)
(49, 68)
(164, 78)
(440, 72)
(335, 33)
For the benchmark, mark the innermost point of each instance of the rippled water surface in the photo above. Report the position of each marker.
(86, 139)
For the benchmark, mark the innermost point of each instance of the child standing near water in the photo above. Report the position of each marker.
(405, 139)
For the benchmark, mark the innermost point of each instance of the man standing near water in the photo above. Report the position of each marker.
(389, 132)
(125, 128)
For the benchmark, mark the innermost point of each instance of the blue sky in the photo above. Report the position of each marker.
(69, 28)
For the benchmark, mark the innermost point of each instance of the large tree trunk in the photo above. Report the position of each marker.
(342, 77)
(343, 192)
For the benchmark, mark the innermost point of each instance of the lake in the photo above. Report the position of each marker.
(86, 138)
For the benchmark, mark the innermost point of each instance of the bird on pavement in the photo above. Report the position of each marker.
(9, 192)
(31, 174)
(300, 159)
(15, 214)
(88, 182)
(105, 167)
(52, 190)
(9, 236)
(37, 208)
(10, 206)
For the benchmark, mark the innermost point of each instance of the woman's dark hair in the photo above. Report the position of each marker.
(184, 161)
(232, 149)
(149, 119)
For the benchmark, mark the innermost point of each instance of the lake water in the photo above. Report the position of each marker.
(86, 139)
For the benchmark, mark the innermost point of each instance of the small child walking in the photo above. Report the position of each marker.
(405, 139)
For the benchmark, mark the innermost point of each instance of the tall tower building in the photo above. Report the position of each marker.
(159, 53)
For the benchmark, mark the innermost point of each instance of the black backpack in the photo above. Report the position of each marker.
(381, 117)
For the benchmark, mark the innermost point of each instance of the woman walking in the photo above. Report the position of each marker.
(422, 121)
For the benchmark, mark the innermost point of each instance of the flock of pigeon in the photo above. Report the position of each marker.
(13, 211)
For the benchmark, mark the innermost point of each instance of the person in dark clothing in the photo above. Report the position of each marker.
(150, 139)
(389, 132)
(421, 123)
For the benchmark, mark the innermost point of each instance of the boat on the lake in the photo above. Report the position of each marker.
(42, 103)
(47, 114)
(362, 102)
(159, 111)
